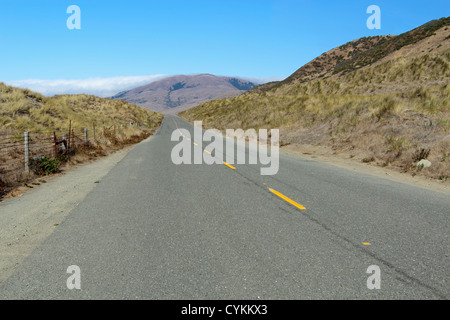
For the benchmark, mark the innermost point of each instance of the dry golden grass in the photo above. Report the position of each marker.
(22, 110)
(107, 121)
(385, 114)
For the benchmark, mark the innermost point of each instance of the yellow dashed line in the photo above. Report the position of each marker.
(287, 199)
(299, 206)
(229, 165)
(367, 243)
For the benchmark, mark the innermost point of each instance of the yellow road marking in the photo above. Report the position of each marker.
(229, 165)
(178, 128)
(271, 190)
(367, 243)
(287, 199)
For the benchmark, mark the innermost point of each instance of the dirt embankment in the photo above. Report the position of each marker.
(348, 161)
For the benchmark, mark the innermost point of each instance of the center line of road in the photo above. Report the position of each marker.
(287, 199)
(282, 196)
(195, 143)
(229, 165)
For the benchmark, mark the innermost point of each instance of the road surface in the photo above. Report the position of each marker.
(155, 230)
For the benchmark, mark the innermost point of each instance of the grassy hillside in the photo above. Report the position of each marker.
(107, 121)
(357, 54)
(23, 110)
(390, 114)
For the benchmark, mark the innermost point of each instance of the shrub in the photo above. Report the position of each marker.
(421, 154)
(42, 165)
(368, 160)
(50, 165)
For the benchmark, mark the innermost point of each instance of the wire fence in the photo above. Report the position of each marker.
(19, 151)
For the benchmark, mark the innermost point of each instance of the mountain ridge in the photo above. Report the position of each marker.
(357, 54)
(181, 92)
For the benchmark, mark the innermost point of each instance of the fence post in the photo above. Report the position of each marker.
(27, 152)
(85, 136)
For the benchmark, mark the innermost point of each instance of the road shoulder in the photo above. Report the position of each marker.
(26, 221)
(325, 155)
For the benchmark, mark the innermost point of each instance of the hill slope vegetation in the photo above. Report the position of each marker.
(24, 110)
(392, 111)
(111, 125)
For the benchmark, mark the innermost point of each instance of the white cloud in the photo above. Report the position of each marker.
(262, 80)
(102, 87)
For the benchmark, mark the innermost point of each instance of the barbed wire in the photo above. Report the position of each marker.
(3, 141)
(6, 143)
(13, 145)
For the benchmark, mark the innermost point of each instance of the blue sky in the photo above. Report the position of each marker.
(246, 38)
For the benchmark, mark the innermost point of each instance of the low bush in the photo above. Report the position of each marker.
(42, 165)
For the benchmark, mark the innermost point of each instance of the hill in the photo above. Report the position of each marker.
(178, 93)
(357, 54)
(391, 110)
(107, 121)
(24, 110)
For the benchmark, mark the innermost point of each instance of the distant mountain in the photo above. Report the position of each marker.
(178, 93)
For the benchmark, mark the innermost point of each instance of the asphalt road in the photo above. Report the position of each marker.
(155, 230)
